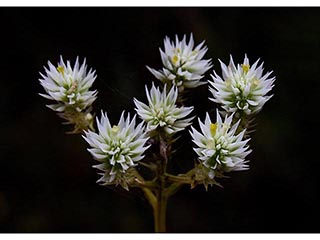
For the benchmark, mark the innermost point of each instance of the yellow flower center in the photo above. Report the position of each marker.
(175, 59)
(60, 69)
(115, 129)
(245, 67)
(213, 128)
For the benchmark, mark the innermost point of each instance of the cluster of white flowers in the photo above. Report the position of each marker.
(241, 91)
(117, 147)
(183, 64)
(218, 146)
(162, 112)
(243, 88)
(68, 86)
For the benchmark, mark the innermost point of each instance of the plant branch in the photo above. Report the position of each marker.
(150, 197)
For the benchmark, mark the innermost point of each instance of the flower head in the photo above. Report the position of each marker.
(68, 86)
(162, 111)
(117, 147)
(183, 64)
(218, 146)
(243, 88)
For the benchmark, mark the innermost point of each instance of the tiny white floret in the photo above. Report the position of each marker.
(68, 86)
(242, 89)
(117, 148)
(218, 146)
(162, 111)
(183, 64)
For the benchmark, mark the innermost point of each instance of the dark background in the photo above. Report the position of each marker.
(47, 183)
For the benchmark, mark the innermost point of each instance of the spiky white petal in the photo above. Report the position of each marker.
(162, 112)
(117, 147)
(68, 86)
(243, 88)
(183, 63)
(218, 147)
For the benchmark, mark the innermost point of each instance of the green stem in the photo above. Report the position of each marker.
(157, 192)
(150, 197)
(158, 204)
(160, 212)
(162, 197)
(179, 181)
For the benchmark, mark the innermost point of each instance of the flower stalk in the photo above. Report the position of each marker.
(162, 198)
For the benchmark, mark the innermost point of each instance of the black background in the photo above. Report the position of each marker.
(47, 183)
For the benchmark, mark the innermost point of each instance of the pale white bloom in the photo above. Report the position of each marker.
(218, 146)
(183, 64)
(162, 112)
(243, 88)
(117, 147)
(68, 86)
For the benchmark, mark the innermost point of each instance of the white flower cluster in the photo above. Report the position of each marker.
(68, 86)
(183, 64)
(241, 89)
(117, 147)
(162, 112)
(218, 146)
